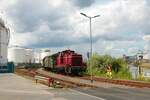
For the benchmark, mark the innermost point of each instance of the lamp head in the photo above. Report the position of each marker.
(83, 14)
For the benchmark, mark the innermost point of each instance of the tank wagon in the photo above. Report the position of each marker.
(65, 62)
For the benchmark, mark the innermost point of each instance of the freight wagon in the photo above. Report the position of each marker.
(65, 62)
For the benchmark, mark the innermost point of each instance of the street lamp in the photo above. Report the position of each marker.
(90, 18)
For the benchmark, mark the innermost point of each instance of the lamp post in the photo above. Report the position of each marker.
(90, 18)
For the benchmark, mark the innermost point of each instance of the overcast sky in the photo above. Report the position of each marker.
(122, 28)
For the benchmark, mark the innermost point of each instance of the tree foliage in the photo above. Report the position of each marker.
(99, 64)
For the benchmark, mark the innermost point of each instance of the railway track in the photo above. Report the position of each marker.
(65, 82)
(69, 81)
(131, 83)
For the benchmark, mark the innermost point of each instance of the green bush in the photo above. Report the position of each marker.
(124, 74)
(100, 63)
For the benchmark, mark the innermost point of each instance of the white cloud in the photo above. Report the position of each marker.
(146, 37)
(23, 39)
(133, 50)
(51, 22)
(55, 3)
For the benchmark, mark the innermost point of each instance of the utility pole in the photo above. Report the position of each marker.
(90, 18)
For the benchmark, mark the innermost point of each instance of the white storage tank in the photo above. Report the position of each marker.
(36, 57)
(29, 56)
(4, 40)
(20, 55)
(40, 54)
(17, 55)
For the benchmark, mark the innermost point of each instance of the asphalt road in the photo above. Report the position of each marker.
(14, 87)
(115, 93)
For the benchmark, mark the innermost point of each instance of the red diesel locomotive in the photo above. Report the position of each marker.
(65, 62)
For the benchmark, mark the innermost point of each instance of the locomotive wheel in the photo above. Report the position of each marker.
(68, 70)
(65, 69)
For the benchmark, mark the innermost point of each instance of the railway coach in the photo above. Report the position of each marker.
(66, 61)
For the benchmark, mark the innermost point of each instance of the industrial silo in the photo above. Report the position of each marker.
(20, 55)
(17, 55)
(29, 56)
(40, 54)
(4, 40)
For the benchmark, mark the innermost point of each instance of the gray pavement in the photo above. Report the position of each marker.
(117, 93)
(14, 87)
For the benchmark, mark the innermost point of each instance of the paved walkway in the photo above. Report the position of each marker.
(14, 87)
